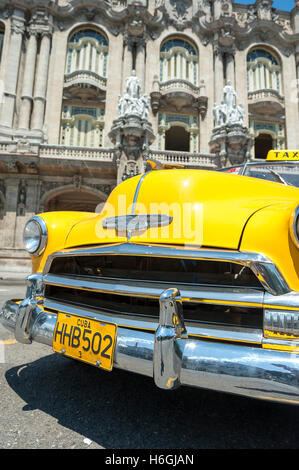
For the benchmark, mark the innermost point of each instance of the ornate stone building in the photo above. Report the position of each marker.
(72, 125)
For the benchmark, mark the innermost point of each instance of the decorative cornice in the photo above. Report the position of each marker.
(17, 25)
(230, 32)
(41, 21)
(236, 25)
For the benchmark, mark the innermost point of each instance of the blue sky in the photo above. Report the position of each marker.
(280, 4)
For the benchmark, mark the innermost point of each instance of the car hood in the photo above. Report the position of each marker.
(207, 208)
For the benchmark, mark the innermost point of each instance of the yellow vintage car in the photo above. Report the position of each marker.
(190, 277)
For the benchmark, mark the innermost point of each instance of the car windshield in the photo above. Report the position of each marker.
(287, 173)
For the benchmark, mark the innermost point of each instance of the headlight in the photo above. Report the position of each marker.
(35, 236)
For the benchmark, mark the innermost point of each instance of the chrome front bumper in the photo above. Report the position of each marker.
(169, 356)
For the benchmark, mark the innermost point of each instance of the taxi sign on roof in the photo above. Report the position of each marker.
(283, 155)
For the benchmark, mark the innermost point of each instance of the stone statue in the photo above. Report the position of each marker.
(233, 116)
(241, 112)
(229, 95)
(228, 112)
(230, 140)
(251, 13)
(131, 131)
(145, 101)
(131, 103)
(264, 9)
(121, 105)
(133, 85)
(223, 112)
(220, 113)
(216, 114)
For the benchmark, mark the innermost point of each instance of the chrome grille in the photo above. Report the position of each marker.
(192, 272)
(222, 290)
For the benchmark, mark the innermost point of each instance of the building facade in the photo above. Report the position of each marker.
(64, 69)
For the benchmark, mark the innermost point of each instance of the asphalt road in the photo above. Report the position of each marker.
(49, 402)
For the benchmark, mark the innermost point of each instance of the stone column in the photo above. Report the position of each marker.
(295, 87)
(230, 68)
(218, 75)
(206, 73)
(291, 101)
(295, 18)
(40, 89)
(128, 63)
(297, 63)
(12, 71)
(241, 85)
(140, 64)
(28, 82)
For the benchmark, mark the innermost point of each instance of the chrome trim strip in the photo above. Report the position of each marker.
(161, 251)
(213, 294)
(133, 212)
(238, 334)
(270, 278)
(273, 342)
(137, 191)
(29, 308)
(293, 227)
(288, 301)
(266, 271)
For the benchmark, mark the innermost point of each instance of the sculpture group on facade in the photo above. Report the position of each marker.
(132, 102)
(228, 112)
(230, 140)
(131, 131)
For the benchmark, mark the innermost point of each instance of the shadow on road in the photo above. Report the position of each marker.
(119, 410)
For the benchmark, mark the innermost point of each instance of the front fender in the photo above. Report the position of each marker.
(59, 224)
(268, 232)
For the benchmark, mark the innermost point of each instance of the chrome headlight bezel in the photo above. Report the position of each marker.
(294, 227)
(43, 236)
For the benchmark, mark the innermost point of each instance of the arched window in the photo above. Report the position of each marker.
(81, 200)
(177, 138)
(178, 132)
(87, 51)
(178, 60)
(82, 126)
(262, 144)
(263, 71)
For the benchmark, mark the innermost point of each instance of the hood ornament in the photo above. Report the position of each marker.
(135, 222)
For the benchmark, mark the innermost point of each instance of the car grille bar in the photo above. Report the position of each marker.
(264, 269)
(210, 294)
(205, 331)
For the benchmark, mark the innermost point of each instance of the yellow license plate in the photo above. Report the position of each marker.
(85, 339)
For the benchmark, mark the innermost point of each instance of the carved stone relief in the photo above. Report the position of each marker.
(21, 205)
(178, 12)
